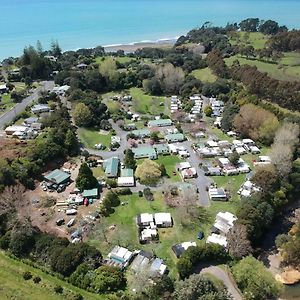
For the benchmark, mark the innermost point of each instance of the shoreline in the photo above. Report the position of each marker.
(132, 47)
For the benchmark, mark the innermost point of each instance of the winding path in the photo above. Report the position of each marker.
(225, 278)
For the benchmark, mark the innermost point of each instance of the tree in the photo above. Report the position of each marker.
(234, 158)
(266, 178)
(282, 151)
(129, 160)
(148, 172)
(250, 24)
(254, 280)
(108, 279)
(85, 179)
(154, 136)
(238, 244)
(269, 27)
(82, 115)
(71, 143)
(230, 110)
(208, 111)
(251, 119)
(198, 287)
(55, 49)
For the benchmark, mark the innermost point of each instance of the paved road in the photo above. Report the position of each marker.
(120, 151)
(18, 108)
(201, 181)
(224, 276)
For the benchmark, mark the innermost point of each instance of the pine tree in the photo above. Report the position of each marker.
(85, 179)
(129, 160)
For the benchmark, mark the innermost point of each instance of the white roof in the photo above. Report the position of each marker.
(217, 239)
(3, 87)
(126, 180)
(237, 142)
(240, 150)
(264, 158)
(17, 128)
(161, 218)
(227, 216)
(248, 141)
(121, 252)
(224, 161)
(186, 245)
(148, 233)
(254, 149)
(146, 218)
(184, 165)
(231, 133)
(212, 144)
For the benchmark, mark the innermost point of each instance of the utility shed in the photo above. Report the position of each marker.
(58, 177)
(90, 194)
(160, 123)
(111, 166)
(175, 137)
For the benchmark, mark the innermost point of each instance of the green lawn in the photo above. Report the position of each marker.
(170, 162)
(205, 75)
(90, 137)
(256, 39)
(98, 172)
(113, 106)
(288, 69)
(146, 104)
(120, 59)
(6, 103)
(13, 286)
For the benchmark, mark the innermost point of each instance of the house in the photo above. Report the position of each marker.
(10, 130)
(209, 152)
(173, 148)
(183, 166)
(141, 133)
(243, 167)
(30, 121)
(90, 194)
(174, 137)
(58, 177)
(178, 249)
(230, 170)
(61, 90)
(212, 171)
(160, 123)
(262, 160)
(163, 220)
(223, 161)
(144, 220)
(3, 88)
(130, 126)
(247, 189)
(161, 149)
(119, 257)
(224, 222)
(211, 144)
(126, 178)
(111, 167)
(141, 261)
(217, 194)
(237, 143)
(145, 152)
(217, 239)
(240, 150)
(157, 268)
(148, 234)
(81, 66)
(189, 173)
(248, 142)
(40, 108)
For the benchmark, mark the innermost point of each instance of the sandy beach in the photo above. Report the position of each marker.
(134, 46)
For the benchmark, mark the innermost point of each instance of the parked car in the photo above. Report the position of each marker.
(60, 222)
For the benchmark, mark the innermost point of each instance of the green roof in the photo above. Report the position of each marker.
(57, 176)
(141, 132)
(161, 148)
(93, 193)
(160, 122)
(147, 151)
(126, 173)
(111, 166)
(174, 137)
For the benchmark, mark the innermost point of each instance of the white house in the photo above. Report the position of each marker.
(40, 108)
(163, 220)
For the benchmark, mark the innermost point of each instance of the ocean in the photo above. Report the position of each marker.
(88, 23)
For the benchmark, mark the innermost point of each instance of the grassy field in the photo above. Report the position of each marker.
(98, 172)
(90, 137)
(120, 59)
(13, 286)
(170, 162)
(205, 75)
(288, 69)
(256, 39)
(146, 104)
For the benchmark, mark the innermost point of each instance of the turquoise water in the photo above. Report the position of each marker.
(87, 23)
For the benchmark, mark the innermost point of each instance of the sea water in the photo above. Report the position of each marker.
(88, 23)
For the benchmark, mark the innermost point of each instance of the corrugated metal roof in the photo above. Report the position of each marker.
(58, 176)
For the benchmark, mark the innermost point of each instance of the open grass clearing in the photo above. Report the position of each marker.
(120, 59)
(205, 75)
(146, 104)
(98, 172)
(278, 71)
(90, 137)
(256, 39)
(13, 286)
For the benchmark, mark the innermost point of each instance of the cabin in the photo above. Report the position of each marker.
(216, 194)
(163, 220)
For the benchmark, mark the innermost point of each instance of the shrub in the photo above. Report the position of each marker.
(58, 289)
(37, 279)
(27, 275)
